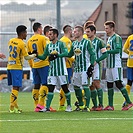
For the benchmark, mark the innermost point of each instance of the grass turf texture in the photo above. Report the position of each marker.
(64, 122)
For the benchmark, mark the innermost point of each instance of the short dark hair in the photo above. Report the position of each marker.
(36, 25)
(87, 23)
(55, 31)
(66, 28)
(110, 23)
(92, 27)
(46, 29)
(80, 28)
(20, 29)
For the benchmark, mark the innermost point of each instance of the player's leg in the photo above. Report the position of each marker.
(130, 79)
(63, 81)
(35, 94)
(62, 100)
(96, 81)
(35, 91)
(99, 94)
(85, 84)
(93, 97)
(77, 83)
(118, 81)
(62, 94)
(15, 79)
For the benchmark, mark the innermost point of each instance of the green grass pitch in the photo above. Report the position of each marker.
(64, 122)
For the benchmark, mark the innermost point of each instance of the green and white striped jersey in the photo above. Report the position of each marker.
(114, 59)
(98, 44)
(84, 55)
(57, 66)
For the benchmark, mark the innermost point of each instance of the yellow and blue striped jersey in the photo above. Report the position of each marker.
(17, 50)
(38, 42)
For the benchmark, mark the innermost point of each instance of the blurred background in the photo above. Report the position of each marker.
(58, 13)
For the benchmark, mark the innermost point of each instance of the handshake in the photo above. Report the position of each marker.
(90, 71)
(33, 52)
(53, 56)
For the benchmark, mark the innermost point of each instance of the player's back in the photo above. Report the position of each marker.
(17, 50)
(68, 44)
(38, 42)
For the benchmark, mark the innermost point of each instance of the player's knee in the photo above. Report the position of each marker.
(65, 88)
(119, 84)
(97, 84)
(37, 86)
(129, 82)
(109, 85)
(51, 88)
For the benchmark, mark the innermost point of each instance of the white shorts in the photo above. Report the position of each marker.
(80, 78)
(97, 73)
(114, 74)
(57, 80)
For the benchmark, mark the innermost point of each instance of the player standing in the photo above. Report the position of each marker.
(101, 54)
(114, 66)
(57, 72)
(84, 54)
(128, 49)
(17, 50)
(69, 61)
(39, 67)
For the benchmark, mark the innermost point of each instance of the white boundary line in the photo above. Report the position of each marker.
(88, 119)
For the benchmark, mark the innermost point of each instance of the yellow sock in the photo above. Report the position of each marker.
(35, 94)
(13, 99)
(128, 88)
(83, 93)
(42, 95)
(62, 98)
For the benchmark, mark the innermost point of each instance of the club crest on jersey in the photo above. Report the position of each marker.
(77, 51)
(54, 52)
(108, 47)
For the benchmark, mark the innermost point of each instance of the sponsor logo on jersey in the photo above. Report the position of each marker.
(77, 51)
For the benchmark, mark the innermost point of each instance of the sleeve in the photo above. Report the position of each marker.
(71, 52)
(44, 55)
(64, 51)
(91, 52)
(126, 46)
(117, 46)
(103, 51)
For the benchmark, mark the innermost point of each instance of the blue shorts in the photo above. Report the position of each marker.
(15, 77)
(40, 75)
(69, 70)
(130, 73)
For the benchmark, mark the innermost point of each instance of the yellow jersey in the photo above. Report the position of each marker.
(17, 50)
(38, 42)
(68, 44)
(128, 48)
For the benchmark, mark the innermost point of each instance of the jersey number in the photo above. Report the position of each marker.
(131, 46)
(13, 51)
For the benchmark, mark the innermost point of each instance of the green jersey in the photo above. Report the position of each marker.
(57, 66)
(84, 55)
(114, 47)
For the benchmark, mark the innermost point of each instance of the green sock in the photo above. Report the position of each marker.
(87, 95)
(68, 98)
(94, 97)
(110, 96)
(78, 93)
(49, 99)
(125, 94)
(100, 96)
